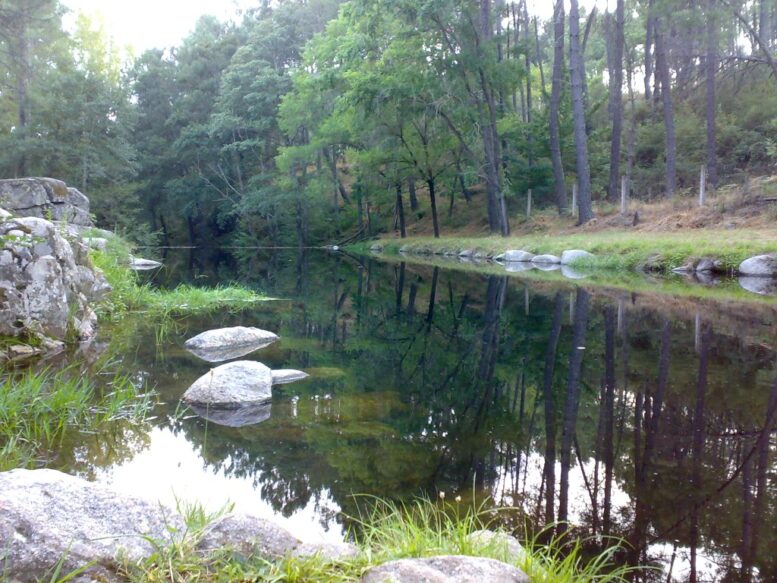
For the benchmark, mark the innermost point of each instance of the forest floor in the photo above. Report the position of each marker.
(735, 223)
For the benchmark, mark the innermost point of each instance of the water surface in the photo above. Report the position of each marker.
(627, 414)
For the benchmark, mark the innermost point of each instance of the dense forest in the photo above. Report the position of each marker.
(311, 121)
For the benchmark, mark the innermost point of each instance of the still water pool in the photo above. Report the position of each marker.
(643, 416)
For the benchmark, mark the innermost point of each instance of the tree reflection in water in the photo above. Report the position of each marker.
(615, 414)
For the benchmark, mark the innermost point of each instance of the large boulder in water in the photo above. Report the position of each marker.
(445, 569)
(232, 385)
(228, 343)
(44, 198)
(47, 516)
(759, 266)
(47, 281)
(546, 260)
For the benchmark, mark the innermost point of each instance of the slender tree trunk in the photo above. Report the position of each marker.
(430, 183)
(616, 101)
(662, 71)
(578, 110)
(400, 211)
(649, 29)
(412, 194)
(712, 69)
(555, 105)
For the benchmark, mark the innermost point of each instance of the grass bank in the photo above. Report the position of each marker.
(386, 531)
(614, 250)
(129, 295)
(39, 410)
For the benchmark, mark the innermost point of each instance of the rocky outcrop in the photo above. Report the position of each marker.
(48, 517)
(47, 282)
(445, 569)
(232, 385)
(228, 343)
(759, 266)
(44, 198)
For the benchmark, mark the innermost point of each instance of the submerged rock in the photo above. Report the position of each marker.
(228, 343)
(48, 516)
(546, 259)
(572, 255)
(518, 266)
(572, 273)
(759, 266)
(140, 264)
(285, 376)
(235, 383)
(235, 415)
(445, 569)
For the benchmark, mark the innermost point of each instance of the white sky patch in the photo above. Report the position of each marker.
(146, 24)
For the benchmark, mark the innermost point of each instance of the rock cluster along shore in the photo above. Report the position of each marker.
(50, 519)
(757, 274)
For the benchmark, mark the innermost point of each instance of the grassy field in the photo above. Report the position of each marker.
(614, 250)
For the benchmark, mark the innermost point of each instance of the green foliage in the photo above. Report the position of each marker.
(39, 410)
(387, 532)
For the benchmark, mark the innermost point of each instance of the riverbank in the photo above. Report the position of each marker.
(613, 251)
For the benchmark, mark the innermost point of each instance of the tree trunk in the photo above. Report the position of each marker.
(555, 106)
(578, 111)
(430, 183)
(412, 194)
(616, 101)
(649, 29)
(712, 68)
(662, 71)
(400, 211)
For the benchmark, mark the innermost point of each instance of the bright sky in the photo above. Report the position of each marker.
(145, 24)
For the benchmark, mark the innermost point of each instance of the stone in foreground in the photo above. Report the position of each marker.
(759, 266)
(284, 376)
(500, 542)
(48, 516)
(572, 255)
(140, 264)
(228, 343)
(445, 569)
(546, 260)
(231, 385)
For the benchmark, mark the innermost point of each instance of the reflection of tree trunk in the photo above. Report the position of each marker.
(411, 301)
(658, 397)
(495, 298)
(698, 440)
(608, 408)
(400, 286)
(432, 297)
(572, 400)
(550, 408)
(762, 449)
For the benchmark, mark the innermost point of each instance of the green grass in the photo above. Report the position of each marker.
(129, 295)
(615, 250)
(385, 531)
(40, 409)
